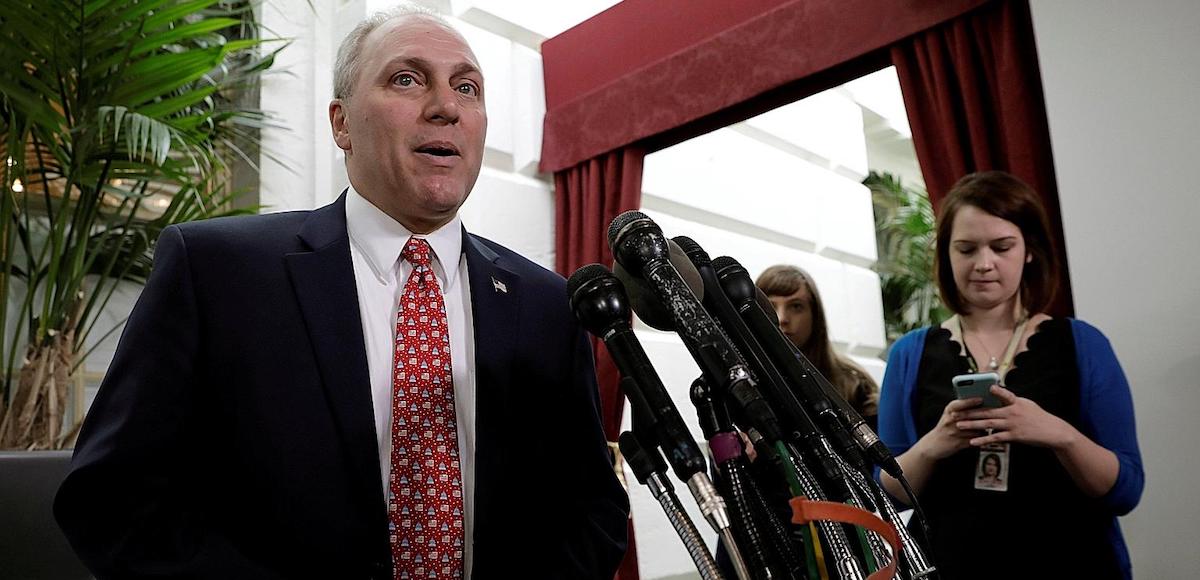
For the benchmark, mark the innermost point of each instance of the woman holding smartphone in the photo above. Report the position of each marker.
(1065, 427)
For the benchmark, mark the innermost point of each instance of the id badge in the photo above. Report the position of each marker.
(991, 471)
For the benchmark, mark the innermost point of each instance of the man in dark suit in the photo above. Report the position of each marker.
(255, 421)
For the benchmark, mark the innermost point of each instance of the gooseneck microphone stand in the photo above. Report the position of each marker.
(761, 537)
(832, 532)
(915, 565)
(651, 471)
(599, 301)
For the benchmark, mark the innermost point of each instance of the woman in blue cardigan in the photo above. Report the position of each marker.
(1065, 432)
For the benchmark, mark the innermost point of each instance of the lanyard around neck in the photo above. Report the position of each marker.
(1010, 352)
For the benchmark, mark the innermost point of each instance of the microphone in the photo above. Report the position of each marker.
(649, 469)
(862, 490)
(641, 295)
(820, 396)
(639, 246)
(783, 399)
(599, 302)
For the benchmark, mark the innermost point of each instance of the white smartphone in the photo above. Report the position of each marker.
(978, 385)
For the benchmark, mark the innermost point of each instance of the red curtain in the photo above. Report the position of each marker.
(588, 197)
(973, 92)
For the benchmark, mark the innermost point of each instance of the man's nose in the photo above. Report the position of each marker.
(442, 105)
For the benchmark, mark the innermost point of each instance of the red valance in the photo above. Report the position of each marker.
(645, 67)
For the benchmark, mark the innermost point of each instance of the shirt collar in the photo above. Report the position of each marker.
(381, 239)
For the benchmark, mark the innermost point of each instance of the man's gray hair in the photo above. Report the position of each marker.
(349, 55)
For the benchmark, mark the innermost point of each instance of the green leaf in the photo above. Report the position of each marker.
(162, 17)
(165, 73)
(29, 31)
(180, 33)
(93, 7)
(30, 105)
(177, 103)
(236, 45)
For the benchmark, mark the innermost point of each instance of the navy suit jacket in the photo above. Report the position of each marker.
(234, 437)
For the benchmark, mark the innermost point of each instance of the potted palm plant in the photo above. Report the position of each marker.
(117, 119)
(904, 226)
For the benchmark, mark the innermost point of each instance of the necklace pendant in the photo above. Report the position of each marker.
(993, 364)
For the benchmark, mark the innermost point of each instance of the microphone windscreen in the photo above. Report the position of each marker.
(767, 306)
(694, 252)
(644, 300)
(582, 276)
(722, 262)
(619, 223)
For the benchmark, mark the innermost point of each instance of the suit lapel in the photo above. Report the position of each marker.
(323, 278)
(495, 303)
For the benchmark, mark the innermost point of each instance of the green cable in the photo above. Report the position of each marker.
(863, 544)
(789, 472)
(811, 560)
(872, 565)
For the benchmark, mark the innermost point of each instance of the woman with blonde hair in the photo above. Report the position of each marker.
(801, 315)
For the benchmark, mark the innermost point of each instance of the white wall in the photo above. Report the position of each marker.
(304, 168)
(1121, 80)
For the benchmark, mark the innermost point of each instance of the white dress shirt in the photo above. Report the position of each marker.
(376, 241)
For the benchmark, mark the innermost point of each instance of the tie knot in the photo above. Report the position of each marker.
(416, 251)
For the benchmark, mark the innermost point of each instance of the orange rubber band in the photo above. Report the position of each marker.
(806, 510)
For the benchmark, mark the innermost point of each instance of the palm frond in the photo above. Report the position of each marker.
(121, 118)
(904, 224)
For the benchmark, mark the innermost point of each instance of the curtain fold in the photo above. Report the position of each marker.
(973, 91)
(587, 198)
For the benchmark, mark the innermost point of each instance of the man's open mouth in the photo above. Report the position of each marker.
(438, 150)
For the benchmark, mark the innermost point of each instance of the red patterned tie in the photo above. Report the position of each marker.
(425, 507)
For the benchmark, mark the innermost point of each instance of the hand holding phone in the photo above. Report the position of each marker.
(978, 385)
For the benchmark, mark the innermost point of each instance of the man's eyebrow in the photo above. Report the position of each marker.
(424, 65)
(465, 68)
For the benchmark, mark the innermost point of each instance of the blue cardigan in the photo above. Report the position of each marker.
(1106, 416)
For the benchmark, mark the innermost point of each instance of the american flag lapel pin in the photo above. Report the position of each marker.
(499, 286)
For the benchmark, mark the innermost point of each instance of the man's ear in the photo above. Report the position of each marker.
(339, 124)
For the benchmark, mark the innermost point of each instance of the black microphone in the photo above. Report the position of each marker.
(639, 246)
(600, 304)
(641, 296)
(735, 277)
(783, 399)
(843, 424)
(712, 415)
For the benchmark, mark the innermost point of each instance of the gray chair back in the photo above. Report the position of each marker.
(32, 547)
